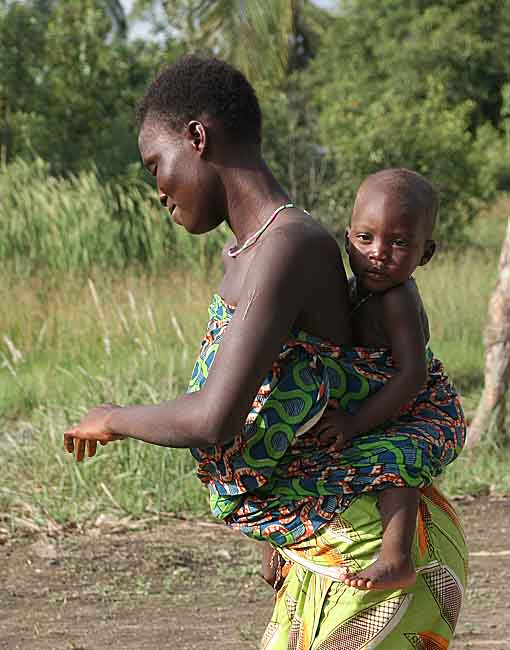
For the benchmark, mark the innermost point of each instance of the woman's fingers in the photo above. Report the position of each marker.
(82, 438)
(68, 442)
(79, 447)
(91, 447)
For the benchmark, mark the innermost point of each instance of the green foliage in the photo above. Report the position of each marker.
(267, 40)
(419, 83)
(395, 45)
(491, 151)
(430, 137)
(69, 343)
(408, 84)
(69, 81)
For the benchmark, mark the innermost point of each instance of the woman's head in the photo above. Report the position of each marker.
(194, 88)
(196, 113)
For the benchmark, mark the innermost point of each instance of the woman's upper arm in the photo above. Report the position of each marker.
(272, 297)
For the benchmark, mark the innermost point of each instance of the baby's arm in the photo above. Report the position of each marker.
(400, 315)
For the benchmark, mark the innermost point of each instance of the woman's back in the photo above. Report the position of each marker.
(318, 274)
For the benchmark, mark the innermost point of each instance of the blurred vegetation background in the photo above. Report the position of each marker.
(423, 84)
(104, 298)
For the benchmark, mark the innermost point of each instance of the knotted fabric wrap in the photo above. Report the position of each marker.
(276, 480)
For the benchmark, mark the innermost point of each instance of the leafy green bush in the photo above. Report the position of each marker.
(429, 137)
(409, 84)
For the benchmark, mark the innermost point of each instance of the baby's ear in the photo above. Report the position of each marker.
(428, 252)
(347, 241)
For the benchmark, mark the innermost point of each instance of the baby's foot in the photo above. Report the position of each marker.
(383, 574)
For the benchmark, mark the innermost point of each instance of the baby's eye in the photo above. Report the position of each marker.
(364, 237)
(400, 243)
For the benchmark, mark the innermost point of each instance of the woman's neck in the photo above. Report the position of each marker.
(253, 193)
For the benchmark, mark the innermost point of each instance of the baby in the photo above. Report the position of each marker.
(389, 236)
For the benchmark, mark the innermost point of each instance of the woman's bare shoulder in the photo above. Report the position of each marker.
(301, 229)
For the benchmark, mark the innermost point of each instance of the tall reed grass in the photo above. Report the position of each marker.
(78, 223)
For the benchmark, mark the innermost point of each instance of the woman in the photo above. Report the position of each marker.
(278, 335)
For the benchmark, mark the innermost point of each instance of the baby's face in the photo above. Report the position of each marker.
(386, 241)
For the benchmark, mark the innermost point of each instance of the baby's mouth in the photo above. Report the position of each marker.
(376, 272)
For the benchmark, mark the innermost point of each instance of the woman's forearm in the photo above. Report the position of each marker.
(182, 422)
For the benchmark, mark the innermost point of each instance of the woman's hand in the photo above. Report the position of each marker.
(273, 569)
(92, 429)
(336, 427)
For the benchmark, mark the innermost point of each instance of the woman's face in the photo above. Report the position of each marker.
(188, 185)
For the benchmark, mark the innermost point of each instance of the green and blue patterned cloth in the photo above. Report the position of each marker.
(276, 481)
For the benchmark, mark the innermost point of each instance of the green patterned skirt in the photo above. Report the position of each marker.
(314, 611)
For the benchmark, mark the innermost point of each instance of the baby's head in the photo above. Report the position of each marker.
(391, 228)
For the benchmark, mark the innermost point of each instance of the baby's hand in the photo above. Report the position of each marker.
(336, 427)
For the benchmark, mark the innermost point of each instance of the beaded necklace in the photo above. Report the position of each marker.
(234, 251)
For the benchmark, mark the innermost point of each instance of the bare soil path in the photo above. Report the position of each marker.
(186, 585)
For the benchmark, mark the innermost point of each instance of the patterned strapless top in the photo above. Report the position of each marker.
(275, 480)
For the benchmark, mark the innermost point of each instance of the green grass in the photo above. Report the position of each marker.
(119, 336)
(455, 288)
(76, 343)
(478, 472)
(71, 340)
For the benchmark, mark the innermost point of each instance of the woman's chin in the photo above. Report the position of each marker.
(194, 225)
(200, 227)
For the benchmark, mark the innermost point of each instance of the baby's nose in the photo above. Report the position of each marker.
(379, 252)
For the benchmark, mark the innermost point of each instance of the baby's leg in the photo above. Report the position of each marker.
(393, 568)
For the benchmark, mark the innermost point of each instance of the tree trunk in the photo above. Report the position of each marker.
(492, 409)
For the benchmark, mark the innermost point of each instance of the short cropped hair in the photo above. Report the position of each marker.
(193, 86)
(410, 186)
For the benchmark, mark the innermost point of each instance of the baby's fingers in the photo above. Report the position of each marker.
(326, 421)
(338, 444)
(327, 434)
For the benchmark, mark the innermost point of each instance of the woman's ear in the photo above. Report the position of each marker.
(428, 252)
(197, 135)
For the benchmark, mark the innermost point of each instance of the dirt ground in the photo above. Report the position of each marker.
(187, 585)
